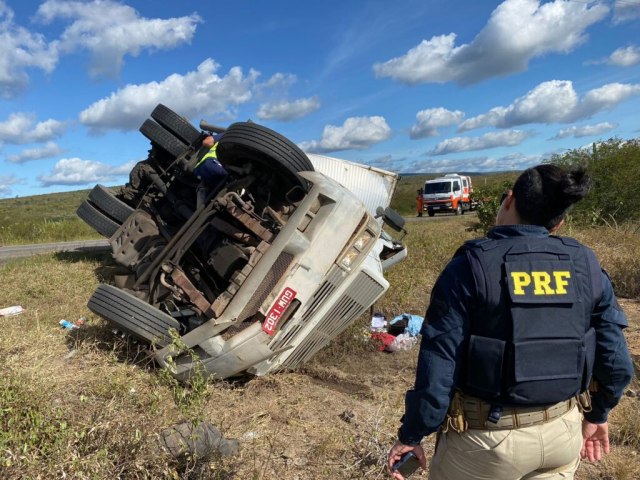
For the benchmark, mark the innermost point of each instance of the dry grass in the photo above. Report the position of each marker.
(618, 249)
(84, 405)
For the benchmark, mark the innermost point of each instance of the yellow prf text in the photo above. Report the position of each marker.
(544, 283)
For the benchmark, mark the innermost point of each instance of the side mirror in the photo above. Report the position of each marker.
(391, 218)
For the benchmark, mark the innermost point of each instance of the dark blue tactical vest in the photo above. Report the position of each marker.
(531, 338)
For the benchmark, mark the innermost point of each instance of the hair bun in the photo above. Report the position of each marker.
(575, 186)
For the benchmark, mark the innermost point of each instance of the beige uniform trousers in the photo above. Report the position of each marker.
(547, 451)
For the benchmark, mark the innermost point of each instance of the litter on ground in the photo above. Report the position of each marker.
(398, 334)
(10, 311)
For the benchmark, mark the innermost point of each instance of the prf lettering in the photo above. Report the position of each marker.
(543, 283)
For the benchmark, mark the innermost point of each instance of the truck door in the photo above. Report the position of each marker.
(465, 189)
(457, 193)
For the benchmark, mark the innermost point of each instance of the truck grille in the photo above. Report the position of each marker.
(362, 293)
(270, 280)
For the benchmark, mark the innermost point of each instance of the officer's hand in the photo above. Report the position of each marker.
(396, 452)
(595, 438)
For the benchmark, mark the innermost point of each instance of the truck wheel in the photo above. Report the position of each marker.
(106, 201)
(459, 209)
(265, 146)
(162, 138)
(431, 213)
(132, 315)
(176, 124)
(93, 217)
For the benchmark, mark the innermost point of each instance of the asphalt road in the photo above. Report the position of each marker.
(17, 251)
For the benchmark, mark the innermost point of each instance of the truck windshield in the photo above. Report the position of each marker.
(437, 187)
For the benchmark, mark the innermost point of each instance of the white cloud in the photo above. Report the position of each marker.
(511, 162)
(554, 101)
(280, 81)
(626, 10)
(75, 171)
(428, 121)
(20, 50)
(286, 110)
(518, 31)
(605, 98)
(506, 138)
(355, 133)
(585, 130)
(110, 30)
(625, 56)
(20, 128)
(201, 92)
(6, 182)
(49, 150)
(621, 57)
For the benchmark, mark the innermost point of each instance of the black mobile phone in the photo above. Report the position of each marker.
(408, 464)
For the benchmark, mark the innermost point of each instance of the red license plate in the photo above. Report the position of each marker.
(277, 309)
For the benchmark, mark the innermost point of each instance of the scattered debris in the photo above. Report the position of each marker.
(398, 334)
(197, 440)
(250, 436)
(71, 354)
(348, 416)
(73, 325)
(67, 324)
(412, 324)
(378, 322)
(404, 341)
(11, 311)
(381, 340)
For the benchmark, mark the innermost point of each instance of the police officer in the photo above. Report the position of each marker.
(520, 326)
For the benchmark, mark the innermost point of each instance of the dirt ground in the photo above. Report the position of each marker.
(338, 416)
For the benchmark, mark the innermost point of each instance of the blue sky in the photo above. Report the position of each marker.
(409, 86)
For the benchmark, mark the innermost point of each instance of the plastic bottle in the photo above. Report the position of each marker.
(67, 324)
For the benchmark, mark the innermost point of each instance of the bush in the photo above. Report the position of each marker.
(489, 203)
(614, 166)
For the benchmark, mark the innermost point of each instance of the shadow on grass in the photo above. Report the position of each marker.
(85, 254)
(125, 349)
(107, 269)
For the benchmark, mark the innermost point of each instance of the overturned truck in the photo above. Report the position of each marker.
(255, 254)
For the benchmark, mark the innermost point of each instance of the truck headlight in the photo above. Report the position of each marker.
(363, 240)
(349, 258)
(360, 244)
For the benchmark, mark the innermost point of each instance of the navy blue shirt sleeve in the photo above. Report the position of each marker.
(613, 367)
(443, 333)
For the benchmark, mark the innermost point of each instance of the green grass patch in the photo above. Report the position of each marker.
(43, 219)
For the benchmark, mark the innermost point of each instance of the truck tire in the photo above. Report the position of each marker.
(93, 217)
(430, 212)
(162, 138)
(458, 210)
(131, 315)
(106, 201)
(273, 149)
(175, 124)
